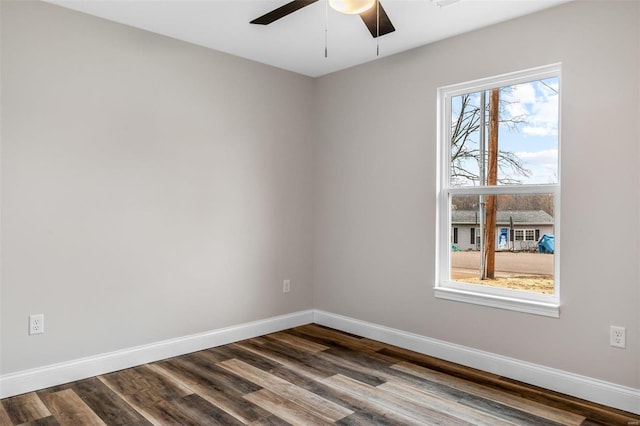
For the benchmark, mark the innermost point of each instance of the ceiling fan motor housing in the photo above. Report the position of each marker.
(351, 7)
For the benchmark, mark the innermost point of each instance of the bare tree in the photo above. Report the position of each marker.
(465, 145)
(542, 202)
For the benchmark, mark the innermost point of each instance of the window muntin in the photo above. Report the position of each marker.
(527, 171)
(526, 234)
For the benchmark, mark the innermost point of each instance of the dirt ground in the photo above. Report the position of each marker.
(520, 271)
(542, 285)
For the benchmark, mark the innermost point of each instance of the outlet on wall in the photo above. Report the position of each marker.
(36, 324)
(618, 337)
(286, 286)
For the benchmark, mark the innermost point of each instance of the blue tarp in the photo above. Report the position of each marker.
(545, 245)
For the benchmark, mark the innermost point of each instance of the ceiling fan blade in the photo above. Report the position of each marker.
(370, 19)
(282, 11)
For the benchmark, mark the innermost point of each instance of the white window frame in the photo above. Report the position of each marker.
(526, 234)
(445, 288)
(523, 233)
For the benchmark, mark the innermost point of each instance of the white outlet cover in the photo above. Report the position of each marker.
(618, 337)
(36, 324)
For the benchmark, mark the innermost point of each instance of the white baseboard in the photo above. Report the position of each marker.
(613, 395)
(65, 372)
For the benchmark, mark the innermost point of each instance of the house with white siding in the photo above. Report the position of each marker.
(518, 230)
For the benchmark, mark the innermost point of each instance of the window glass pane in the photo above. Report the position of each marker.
(465, 139)
(522, 262)
(527, 136)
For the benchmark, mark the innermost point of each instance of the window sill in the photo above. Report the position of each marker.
(501, 302)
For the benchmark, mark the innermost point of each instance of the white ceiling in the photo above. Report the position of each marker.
(297, 41)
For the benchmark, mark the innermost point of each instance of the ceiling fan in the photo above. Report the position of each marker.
(371, 12)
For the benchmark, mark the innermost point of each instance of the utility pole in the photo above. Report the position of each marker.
(482, 168)
(492, 179)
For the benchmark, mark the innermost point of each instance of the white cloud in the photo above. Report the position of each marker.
(525, 93)
(538, 104)
(542, 164)
(547, 155)
(540, 130)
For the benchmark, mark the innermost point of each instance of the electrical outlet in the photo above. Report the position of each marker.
(618, 337)
(286, 286)
(36, 324)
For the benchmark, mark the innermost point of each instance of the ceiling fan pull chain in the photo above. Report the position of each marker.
(326, 19)
(377, 28)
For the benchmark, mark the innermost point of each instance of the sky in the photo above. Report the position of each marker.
(534, 140)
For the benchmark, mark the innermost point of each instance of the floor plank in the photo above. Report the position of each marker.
(224, 397)
(286, 410)
(334, 338)
(205, 413)
(362, 408)
(452, 408)
(25, 408)
(295, 342)
(106, 404)
(70, 410)
(284, 356)
(4, 417)
(436, 383)
(45, 421)
(271, 420)
(392, 402)
(325, 366)
(313, 403)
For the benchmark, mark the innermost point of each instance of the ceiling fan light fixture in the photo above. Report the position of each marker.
(443, 3)
(351, 7)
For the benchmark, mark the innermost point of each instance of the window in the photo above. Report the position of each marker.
(527, 234)
(499, 141)
(455, 235)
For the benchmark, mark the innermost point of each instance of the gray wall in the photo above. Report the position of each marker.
(376, 182)
(150, 188)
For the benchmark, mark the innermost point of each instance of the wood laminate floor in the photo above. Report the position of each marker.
(309, 375)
